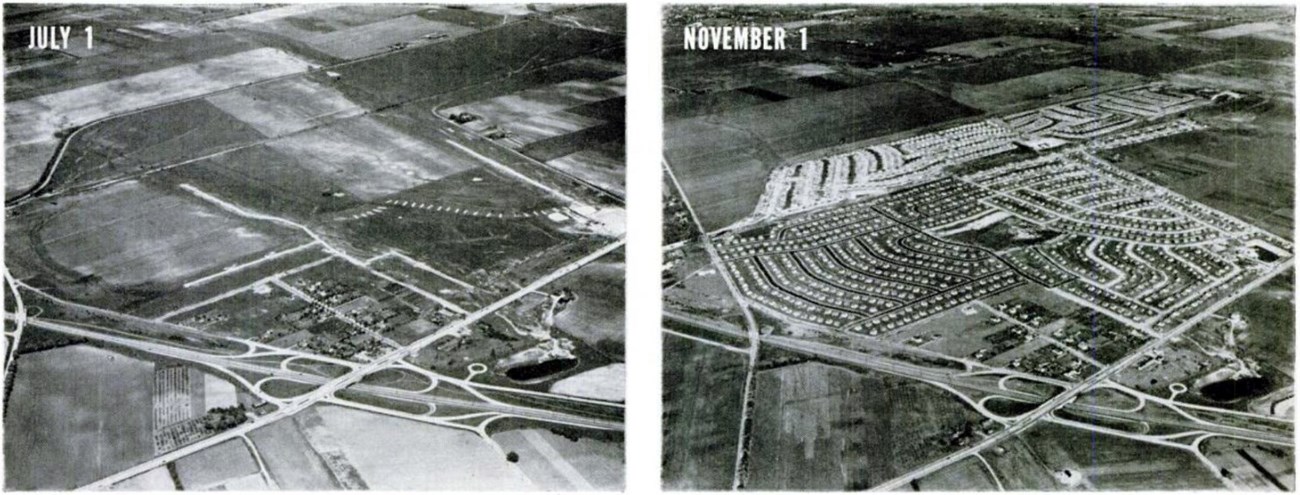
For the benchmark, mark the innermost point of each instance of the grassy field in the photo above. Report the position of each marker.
(369, 159)
(604, 383)
(285, 106)
(723, 160)
(149, 140)
(703, 388)
(967, 475)
(1042, 88)
(75, 415)
(828, 428)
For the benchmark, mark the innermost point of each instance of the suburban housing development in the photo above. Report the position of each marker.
(981, 248)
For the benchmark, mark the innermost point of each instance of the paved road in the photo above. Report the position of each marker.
(1032, 418)
(961, 380)
(231, 363)
(328, 389)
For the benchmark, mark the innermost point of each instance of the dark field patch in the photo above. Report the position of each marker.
(573, 142)
(463, 17)
(474, 59)
(149, 139)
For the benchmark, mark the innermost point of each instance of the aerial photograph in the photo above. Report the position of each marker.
(314, 247)
(978, 247)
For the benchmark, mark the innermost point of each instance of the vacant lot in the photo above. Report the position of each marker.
(723, 160)
(828, 428)
(75, 415)
(703, 395)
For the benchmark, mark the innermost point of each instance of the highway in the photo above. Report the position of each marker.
(327, 390)
(1025, 422)
(227, 363)
(962, 380)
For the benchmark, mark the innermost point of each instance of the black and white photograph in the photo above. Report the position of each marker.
(313, 246)
(978, 247)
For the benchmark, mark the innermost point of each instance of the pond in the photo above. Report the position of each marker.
(538, 371)
(1233, 390)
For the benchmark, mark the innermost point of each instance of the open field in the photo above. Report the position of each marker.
(33, 123)
(528, 45)
(128, 234)
(1112, 463)
(433, 457)
(604, 383)
(596, 316)
(369, 159)
(553, 462)
(828, 428)
(723, 160)
(991, 47)
(147, 141)
(1041, 88)
(76, 414)
(703, 395)
(216, 465)
(967, 475)
(290, 459)
(285, 106)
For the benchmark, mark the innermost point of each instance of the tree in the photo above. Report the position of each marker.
(512, 456)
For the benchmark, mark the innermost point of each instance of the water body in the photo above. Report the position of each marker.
(1235, 390)
(538, 371)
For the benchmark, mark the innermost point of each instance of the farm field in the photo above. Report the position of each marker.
(51, 450)
(828, 428)
(703, 395)
(596, 315)
(216, 466)
(722, 161)
(32, 124)
(1107, 462)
